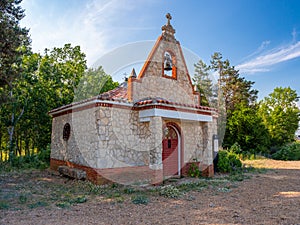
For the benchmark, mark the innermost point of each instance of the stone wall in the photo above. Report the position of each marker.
(107, 137)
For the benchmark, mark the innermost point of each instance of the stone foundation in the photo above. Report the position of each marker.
(127, 175)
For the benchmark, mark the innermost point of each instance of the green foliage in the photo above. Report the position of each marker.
(22, 198)
(193, 186)
(63, 205)
(37, 204)
(4, 205)
(170, 191)
(288, 152)
(204, 84)
(228, 94)
(44, 155)
(47, 81)
(233, 89)
(93, 83)
(280, 115)
(245, 127)
(14, 41)
(228, 161)
(194, 170)
(140, 199)
(40, 160)
(69, 201)
(78, 200)
(129, 190)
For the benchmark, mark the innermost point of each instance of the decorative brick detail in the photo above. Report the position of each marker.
(208, 171)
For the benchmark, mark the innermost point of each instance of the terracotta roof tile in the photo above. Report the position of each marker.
(117, 94)
(149, 101)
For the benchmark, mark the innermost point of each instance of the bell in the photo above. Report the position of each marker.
(167, 66)
(168, 63)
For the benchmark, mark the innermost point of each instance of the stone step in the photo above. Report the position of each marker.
(72, 172)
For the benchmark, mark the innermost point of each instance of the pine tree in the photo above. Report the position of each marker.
(204, 83)
(14, 41)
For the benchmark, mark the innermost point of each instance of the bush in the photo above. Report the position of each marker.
(140, 199)
(288, 152)
(228, 161)
(170, 191)
(41, 160)
(194, 170)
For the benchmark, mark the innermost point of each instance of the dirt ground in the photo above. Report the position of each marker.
(268, 197)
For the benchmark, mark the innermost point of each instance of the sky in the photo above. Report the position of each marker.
(261, 38)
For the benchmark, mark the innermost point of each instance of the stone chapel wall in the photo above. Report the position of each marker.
(107, 137)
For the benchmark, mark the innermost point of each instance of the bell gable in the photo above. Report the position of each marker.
(164, 73)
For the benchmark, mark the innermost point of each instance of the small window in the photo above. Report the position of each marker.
(169, 143)
(66, 131)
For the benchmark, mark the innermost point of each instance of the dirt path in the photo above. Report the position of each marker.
(272, 197)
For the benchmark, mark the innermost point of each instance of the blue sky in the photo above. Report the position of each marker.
(260, 37)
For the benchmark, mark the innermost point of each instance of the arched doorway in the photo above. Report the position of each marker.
(171, 151)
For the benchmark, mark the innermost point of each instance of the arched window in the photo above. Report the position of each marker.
(169, 65)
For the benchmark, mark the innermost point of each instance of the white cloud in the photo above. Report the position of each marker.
(263, 62)
(95, 25)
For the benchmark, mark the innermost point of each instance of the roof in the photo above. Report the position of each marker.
(117, 94)
(161, 101)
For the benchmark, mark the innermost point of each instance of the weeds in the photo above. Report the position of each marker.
(37, 204)
(140, 199)
(4, 205)
(170, 191)
(33, 188)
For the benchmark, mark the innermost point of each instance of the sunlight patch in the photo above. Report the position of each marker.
(289, 194)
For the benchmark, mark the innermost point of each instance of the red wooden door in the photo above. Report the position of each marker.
(170, 152)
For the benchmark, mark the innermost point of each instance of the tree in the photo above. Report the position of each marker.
(245, 127)
(233, 89)
(280, 115)
(14, 42)
(204, 84)
(46, 82)
(94, 82)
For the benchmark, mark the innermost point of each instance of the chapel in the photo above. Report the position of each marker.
(150, 128)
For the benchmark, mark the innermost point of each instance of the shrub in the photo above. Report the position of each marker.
(41, 160)
(236, 148)
(288, 152)
(140, 199)
(170, 191)
(194, 170)
(228, 161)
